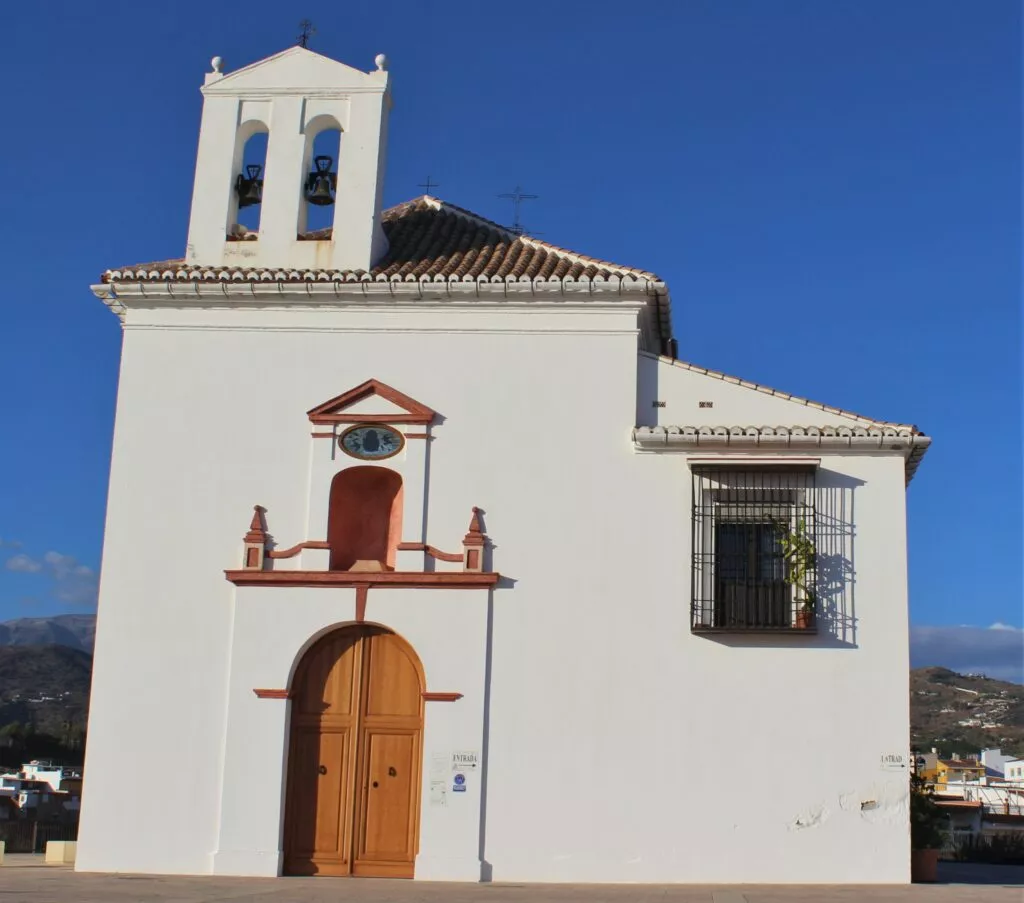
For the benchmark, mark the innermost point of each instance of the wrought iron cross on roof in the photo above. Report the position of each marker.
(429, 184)
(307, 32)
(517, 197)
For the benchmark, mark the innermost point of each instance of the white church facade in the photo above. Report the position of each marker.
(426, 557)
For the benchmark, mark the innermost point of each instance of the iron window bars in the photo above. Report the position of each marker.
(753, 549)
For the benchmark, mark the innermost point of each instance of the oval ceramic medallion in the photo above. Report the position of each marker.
(370, 440)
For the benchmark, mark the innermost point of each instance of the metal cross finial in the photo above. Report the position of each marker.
(429, 184)
(307, 32)
(517, 197)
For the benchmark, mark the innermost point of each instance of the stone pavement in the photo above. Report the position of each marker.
(24, 879)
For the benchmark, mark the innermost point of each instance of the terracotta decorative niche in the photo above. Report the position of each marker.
(364, 523)
(337, 409)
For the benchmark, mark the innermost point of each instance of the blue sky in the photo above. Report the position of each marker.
(832, 191)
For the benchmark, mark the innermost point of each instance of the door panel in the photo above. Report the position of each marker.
(318, 811)
(392, 681)
(389, 778)
(330, 833)
(327, 683)
(352, 803)
(303, 760)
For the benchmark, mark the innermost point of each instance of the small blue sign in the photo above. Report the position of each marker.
(459, 783)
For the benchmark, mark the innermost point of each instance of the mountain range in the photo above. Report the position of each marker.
(76, 631)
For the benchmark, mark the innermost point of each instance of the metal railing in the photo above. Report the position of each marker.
(32, 836)
(746, 572)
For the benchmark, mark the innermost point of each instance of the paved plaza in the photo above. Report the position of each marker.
(25, 879)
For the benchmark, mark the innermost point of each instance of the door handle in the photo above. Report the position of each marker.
(323, 769)
(391, 772)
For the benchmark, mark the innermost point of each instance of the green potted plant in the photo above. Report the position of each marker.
(798, 554)
(927, 831)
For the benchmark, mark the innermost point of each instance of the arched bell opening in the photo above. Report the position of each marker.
(320, 175)
(247, 176)
(364, 521)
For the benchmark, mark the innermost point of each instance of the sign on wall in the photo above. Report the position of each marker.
(895, 762)
(465, 761)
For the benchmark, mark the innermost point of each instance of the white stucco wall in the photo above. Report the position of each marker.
(612, 731)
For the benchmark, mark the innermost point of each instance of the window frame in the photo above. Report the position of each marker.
(758, 494)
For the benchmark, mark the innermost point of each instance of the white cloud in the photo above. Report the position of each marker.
(996, 651)
(23, 564)
(72, 583)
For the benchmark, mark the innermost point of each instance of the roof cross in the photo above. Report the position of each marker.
(517, 197)
(307, 32)
(429, 184)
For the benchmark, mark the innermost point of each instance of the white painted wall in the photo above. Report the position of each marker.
(682, 388)
(994, 760)
(52, 776)
(602, 705)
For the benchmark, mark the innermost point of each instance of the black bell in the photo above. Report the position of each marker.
(321, 182)
(249, 190)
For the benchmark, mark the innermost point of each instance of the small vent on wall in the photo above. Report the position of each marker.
(705, 404)
(658, 404)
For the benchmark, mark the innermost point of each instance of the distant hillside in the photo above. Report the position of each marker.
(44, 683)
(44, 688)
(957, 713)
(76, 631)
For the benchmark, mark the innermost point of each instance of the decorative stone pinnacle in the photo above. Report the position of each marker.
(257, 528)
(475, 536)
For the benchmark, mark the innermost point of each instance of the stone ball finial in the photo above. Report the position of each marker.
(382, 62)
(217, 63)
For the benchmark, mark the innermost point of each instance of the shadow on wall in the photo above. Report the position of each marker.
(836, 575)
(835, 578)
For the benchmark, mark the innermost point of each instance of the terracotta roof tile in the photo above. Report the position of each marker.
(427, 239)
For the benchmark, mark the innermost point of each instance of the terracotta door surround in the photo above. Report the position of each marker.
(352, 804)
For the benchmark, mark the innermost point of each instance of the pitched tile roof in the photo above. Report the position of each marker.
(432, 241)
(428, 240)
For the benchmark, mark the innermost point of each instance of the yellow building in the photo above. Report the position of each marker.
(952, 770)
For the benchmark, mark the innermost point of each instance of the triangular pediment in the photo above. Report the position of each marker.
(294, 69)
(371, 402)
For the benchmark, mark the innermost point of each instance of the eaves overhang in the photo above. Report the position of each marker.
(904, 440)
(561, 293)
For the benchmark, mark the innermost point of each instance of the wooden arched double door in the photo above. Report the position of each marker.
(352, 804)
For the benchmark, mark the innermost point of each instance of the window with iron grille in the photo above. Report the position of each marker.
(753, 549)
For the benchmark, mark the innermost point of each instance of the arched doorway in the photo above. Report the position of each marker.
(352, 804)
